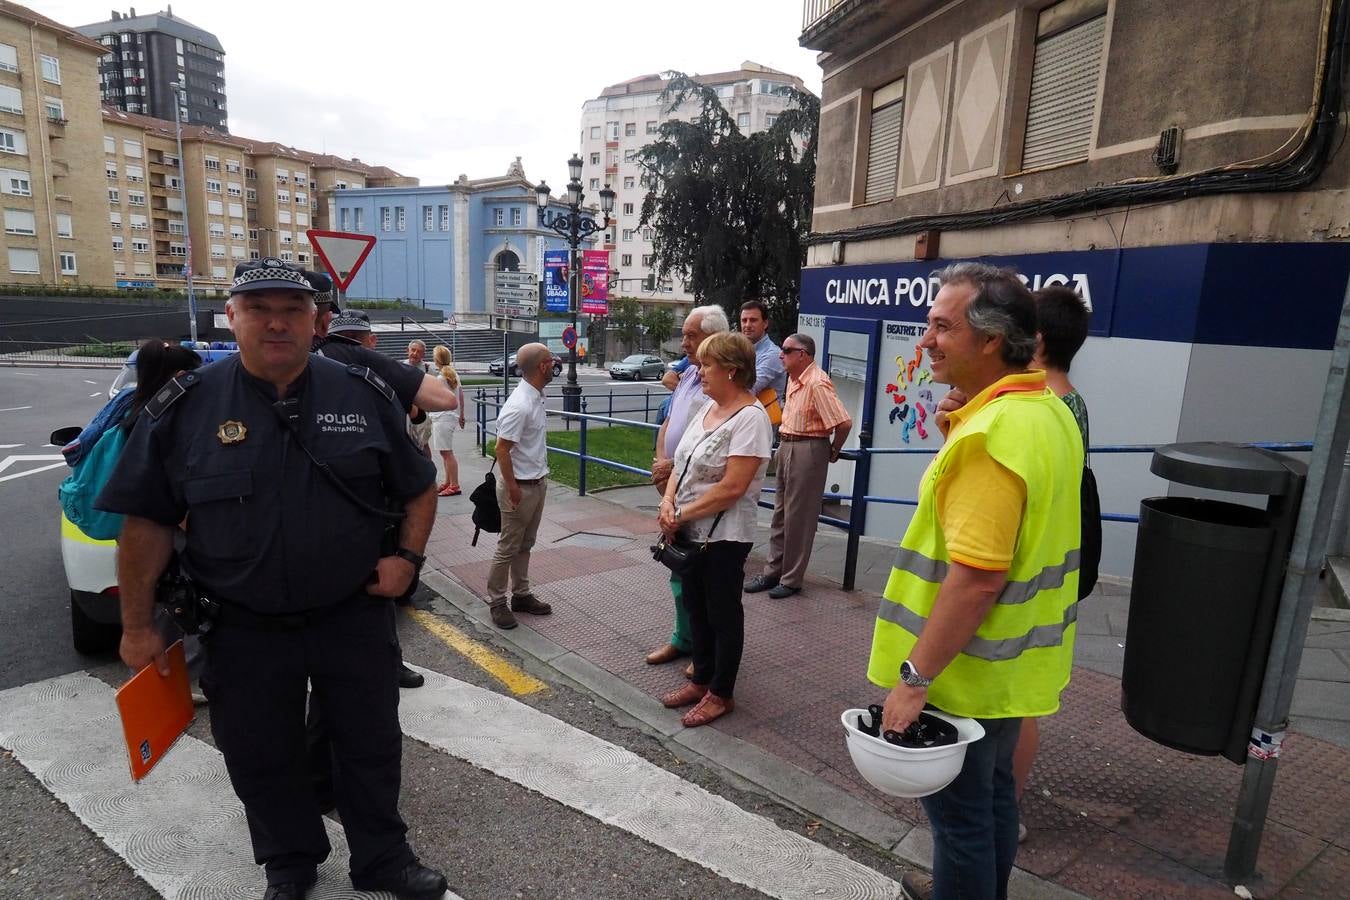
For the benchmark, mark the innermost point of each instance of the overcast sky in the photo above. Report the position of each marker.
(462, 87)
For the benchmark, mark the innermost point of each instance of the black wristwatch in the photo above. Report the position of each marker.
(415, 558)
(910, 676)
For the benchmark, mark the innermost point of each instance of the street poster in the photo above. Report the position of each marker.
(555, 280)
(595, 282)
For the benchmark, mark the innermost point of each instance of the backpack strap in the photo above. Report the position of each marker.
(168, 395)
(369, 377)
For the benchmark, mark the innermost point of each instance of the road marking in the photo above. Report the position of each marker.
(182, 828)
(14, 408)
(11, 446)
(11, 460)
(515, 679)
(96, 394)
(87, 381)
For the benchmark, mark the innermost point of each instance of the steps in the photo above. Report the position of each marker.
(468, 344)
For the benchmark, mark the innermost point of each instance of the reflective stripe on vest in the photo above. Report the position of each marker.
(1020, 658)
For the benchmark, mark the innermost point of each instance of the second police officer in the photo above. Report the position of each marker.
(281, 464)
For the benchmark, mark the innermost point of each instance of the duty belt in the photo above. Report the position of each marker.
(230, 613)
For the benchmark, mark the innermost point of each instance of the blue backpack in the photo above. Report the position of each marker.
(82, 486)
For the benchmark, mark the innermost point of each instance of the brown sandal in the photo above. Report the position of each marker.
(690, 693)
(709, 708)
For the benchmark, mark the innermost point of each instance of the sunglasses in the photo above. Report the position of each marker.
(925, 731)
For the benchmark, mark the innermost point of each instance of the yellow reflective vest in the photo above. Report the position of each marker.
(1019, 660)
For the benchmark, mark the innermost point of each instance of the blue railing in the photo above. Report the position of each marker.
(858, 498)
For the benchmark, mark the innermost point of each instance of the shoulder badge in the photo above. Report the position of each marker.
(373, 380)
(168, 395)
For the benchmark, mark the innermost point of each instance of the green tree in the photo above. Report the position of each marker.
(625, 316)
(731, 211)
(658, 322)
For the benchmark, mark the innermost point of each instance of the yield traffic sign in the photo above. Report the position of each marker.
(341, 252)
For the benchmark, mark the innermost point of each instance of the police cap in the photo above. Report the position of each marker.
(269, 274)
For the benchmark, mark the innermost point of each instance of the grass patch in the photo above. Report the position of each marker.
(628, 445)
(116, 349)
(480, 382)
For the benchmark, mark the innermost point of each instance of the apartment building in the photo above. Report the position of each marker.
(154, 62)
(235, 199)
(627, 116)
(1196, 200)
(50, 128)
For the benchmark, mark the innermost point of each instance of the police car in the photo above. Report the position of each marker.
(90, 564)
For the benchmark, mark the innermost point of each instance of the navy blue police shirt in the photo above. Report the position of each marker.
(265, 529)
(405, 380)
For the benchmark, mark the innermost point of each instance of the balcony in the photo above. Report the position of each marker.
(850, 26)
(813, 11)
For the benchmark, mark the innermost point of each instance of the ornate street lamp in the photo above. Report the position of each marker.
(575, 227)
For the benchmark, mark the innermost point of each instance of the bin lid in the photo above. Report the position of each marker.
(1227, 467)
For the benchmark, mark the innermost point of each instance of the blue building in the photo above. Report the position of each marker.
(442, 245)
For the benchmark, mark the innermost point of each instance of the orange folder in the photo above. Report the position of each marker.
(155, 711)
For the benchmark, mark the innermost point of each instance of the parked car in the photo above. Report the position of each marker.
(637, 367)
(90, 564)
(495, 367)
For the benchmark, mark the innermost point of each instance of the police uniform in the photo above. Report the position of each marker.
(287, 556)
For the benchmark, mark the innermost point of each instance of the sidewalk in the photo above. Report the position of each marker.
(1110, 813)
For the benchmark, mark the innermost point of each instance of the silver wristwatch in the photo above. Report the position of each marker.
(910, 676)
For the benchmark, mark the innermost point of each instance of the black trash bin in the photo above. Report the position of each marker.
(1207, 575)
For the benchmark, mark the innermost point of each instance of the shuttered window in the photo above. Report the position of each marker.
(883, 147)
(1064, 94)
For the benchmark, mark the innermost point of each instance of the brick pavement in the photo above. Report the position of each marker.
(1110, 813)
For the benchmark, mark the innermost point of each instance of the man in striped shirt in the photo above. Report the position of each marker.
(815, 426)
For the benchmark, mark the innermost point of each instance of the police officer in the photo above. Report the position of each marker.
(281, 462)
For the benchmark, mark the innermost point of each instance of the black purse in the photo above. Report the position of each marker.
(679, 554)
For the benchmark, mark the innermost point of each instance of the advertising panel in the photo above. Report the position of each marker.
(595, 282)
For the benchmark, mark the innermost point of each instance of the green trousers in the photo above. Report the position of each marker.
(680, 639)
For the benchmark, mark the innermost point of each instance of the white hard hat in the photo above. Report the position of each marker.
(908, 771)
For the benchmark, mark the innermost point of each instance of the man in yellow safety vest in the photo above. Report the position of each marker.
(978, 615)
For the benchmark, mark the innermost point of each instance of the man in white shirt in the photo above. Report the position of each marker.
(522, 455)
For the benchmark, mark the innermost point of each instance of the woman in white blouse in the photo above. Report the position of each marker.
(712, 499)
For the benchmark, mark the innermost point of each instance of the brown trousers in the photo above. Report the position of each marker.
(802, 466)
(519, 528)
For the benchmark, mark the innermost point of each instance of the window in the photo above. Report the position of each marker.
(626, 259)
(109, 144)
(359, 217)
(283, 217)
(628, 209)
(51, 70)
(628, 234)
(23, 262)
(595, 159)
(595, 129)
(136, 198)
(9, 58)
(237, 232)
(115, 219)
(301, 197)
(251, 195)
(401, 219)
(299, 177)
(234, 189)
(652, 128)
(769, 119)
(119, 267)
(499, 217)
(302, 219)
(117, 244)
(110, 169)
(283, 176)
(68, 264)
(232, 166)
(65, 226)
(287, 237)
(135, 174)
(13, 142)
(20, 221)
(215, 207)
(283, 196)
(237, 252)
(218, 250)
(114, 196)
(217, 271)
(647, 259)
(217, 229)
(212, 186)
(443, 213)
(386, 218)
(646, 234)
(250, 174)
(142, 268)
(883, 144)
(177, 249)
(138, 223)
(10, 99)
(742, 120)
(595, 184)
(132, 149)
(515, 216)
(342, 220)
(177, 226)
(612, 130)
(428, 218)
(629, 182)
(12, 181)
(629, 129)
(140, 245)
(253, 254)
(629, 155)
(212, 164)
(236, 210)
(253, 234)
(1064, 75)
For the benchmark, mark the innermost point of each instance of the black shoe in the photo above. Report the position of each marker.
(760, 583)
(407, 678)
(415, 882)
(290, 890)
(783, 590)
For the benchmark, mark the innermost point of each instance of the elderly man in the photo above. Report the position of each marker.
(977, 617)
(522, 455)
(769, 369)
(687, 396)
(417, 352)
(298, 579)
(815, 426)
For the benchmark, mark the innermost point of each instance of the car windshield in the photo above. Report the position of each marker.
(125, 379)
(637, 358)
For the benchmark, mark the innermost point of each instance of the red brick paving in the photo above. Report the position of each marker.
(1110, 813)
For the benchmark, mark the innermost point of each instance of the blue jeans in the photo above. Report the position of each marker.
(974, 819)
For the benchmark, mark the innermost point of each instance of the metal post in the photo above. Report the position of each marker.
(506, 360)
(571, 391)
(646, 405)
(857, 512)
(611, 405)
(187, 227)
(581, 448)
(482, 421)
(1325, 468)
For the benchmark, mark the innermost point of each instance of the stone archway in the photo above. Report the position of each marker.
(508, 261)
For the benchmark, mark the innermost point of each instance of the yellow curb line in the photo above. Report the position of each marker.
(515, 679)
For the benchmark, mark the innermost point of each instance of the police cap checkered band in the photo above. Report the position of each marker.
(353, 320)
(269, 274)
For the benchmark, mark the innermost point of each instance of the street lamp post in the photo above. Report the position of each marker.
(575, 227)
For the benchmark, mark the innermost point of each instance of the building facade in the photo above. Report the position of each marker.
(443, 245)
(50, 131)
(626, 117)
(155, 62)
(1199, 207)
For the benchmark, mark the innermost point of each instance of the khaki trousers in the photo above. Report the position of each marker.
(519, 528)
(802, 466)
